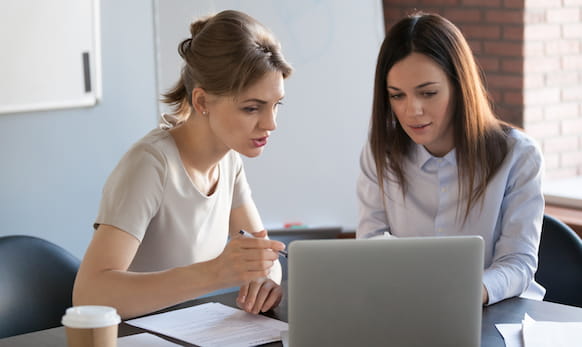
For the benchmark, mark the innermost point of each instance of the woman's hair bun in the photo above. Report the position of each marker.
(197, 26)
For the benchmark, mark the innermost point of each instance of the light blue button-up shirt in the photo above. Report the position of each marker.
(509, 218)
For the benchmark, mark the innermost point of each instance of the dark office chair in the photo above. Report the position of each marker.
(36, 284)
(560, 263)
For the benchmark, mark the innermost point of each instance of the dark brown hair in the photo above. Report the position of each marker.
(226, 53)
(480, 138)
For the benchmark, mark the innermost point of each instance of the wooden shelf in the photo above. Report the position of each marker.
(570, 216)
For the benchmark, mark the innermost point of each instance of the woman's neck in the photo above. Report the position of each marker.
(197, 145)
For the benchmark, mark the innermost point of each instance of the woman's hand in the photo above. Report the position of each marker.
(485, 295)
(262, 294)
(246, 259)
(259, 295)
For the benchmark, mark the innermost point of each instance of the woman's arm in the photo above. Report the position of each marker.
(373, 220)
(103, 278)
(262, 294)
(516, 250)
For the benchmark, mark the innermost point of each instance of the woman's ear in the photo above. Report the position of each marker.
(200, 100)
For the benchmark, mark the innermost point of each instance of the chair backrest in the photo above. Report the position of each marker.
(560, 263)
(36, 284)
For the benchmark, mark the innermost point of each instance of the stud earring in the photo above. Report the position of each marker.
(205, 113)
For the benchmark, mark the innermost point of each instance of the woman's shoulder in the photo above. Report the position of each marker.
(157, 145)
(523, 147)
(158, 140)
(232, 160)
(519, 140)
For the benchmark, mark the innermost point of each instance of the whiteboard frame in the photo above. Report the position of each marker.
(25, 92)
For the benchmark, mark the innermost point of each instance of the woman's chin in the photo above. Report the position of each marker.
(251, 153)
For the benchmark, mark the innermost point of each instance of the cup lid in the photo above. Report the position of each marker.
(90, 316)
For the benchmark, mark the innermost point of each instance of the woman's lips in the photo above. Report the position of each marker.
(419, 127)
(260, 142)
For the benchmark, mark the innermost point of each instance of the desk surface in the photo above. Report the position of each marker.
(507, 311)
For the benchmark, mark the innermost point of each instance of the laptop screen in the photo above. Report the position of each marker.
(399, 291)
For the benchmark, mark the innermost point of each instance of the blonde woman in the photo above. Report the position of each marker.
(171, 204)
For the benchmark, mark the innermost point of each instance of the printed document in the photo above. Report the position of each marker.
(214, 324)
(531, 333)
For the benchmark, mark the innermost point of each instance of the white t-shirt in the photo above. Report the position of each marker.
(150, 195)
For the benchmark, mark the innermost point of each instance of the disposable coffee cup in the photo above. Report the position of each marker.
(91, 326)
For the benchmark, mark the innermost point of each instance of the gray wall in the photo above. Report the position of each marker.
(53, 164)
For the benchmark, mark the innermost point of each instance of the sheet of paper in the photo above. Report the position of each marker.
(285, 338)
(555, 334)
(531, 333)
(143, 340)
(214, 324)
(511, 333)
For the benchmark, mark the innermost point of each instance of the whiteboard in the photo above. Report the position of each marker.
(308, 171)
(50, 54)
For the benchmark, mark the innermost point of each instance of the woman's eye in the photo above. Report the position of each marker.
(250, 109)
(395, 96)
(429, 94)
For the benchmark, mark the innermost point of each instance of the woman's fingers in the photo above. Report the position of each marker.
(262, 295)
(242, 295)
(273, 299)
(247, 259)
(253, 243)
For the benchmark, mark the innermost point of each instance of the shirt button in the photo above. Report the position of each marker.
(443, 189)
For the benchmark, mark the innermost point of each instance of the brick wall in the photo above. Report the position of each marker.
(553, 82)
(531, 55)
(494, 30)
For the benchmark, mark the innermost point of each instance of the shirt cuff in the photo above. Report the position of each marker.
(494, 289)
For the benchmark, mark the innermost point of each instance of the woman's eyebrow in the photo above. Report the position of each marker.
(422, 85)
(260, 101)
(255, 100)
(425, 84)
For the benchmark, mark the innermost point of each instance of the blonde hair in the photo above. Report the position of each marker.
(226, 53)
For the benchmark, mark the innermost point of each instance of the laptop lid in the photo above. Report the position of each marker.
(293, 234)
(386, 292)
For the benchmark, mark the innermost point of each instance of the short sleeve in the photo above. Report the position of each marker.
(133, 192)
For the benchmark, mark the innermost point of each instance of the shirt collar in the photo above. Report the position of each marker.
(421, 157)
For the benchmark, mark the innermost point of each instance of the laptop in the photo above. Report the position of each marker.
(385, 292)
(292, 234)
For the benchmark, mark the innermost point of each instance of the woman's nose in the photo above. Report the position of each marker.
(268, 121)
(414, 107)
